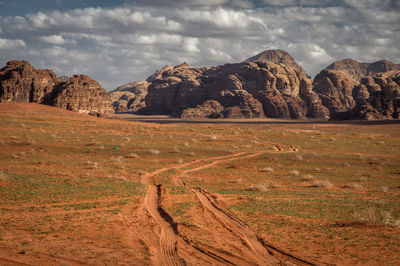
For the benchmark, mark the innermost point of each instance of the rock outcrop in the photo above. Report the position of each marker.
(353, 90)
(278, 57)
(20, 82)
(357, 70)
(130, 97)
(249, 89)
(378, 97)
(335, 88)
(83, 95)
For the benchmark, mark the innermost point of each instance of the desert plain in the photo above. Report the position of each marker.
(76, 189)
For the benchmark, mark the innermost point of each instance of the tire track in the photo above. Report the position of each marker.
(167, 252)
(265, 252)
(168, 236)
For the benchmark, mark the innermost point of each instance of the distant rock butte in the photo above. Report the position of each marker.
(130, 97)
(20, 82)
(359, 70)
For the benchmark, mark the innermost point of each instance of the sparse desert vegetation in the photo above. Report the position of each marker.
(64, 201)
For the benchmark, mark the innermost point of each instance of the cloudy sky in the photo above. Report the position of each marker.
(120, 41)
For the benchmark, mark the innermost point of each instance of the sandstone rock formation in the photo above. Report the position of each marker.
(130, 97)
(270, 84)
(278, 57)
(378, 97)
(249, 89)
(335, 88)
(353, 90)
(208, 109)
(357, 70)
(20, 82)
(83, 95)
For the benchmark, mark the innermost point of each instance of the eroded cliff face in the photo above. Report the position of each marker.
(20, 82)
(278, 57)
(353, 90)
(130, 97)
(270, 84)
(83, 95)
(378, 97)
(357, 70)
(250, 89)
(335, 88)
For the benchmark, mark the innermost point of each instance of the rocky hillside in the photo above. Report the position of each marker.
(130, 97)
(20, 82)
(352, 90)
(270, 84)
(357, 70)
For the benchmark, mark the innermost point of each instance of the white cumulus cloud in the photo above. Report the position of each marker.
(7, 44)
(129, 42)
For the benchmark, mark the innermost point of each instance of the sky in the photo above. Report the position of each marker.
(120, 41)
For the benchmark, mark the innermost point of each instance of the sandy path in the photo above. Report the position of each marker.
(168, 236)
(173, 248)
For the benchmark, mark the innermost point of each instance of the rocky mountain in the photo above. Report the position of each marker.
(130, 97)
(248, 89)
(20, 82)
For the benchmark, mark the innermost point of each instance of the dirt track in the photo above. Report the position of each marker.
(169, 246)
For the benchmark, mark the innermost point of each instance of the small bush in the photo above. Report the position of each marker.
(384, 189)
(322, 183)
(213, 137)
(294, 172)
(132, 155)
(307, 177)
(275, 185)
(259, 188)
(3, 177)
(353, 185)
(267, 169)
(154, 152)
(374, 216)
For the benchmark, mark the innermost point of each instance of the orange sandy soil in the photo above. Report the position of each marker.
(72, 192)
